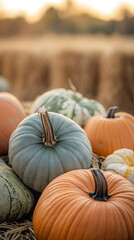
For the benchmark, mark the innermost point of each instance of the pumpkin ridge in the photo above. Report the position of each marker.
(122, 216)
(8, 214)
(65, 138)
(44, 174)
(22, 149)
(72, 153)
(12, 150)
(97, 128)
(60, 160)
(22, 211)
(77, 156)
(129, 132)
(10, 198)
(25, 134)
(66, 133)
(59, 216)
(75, 217)
(67, 142)
(32, 158)
(16, 155)
(49, 211)
(100, 127)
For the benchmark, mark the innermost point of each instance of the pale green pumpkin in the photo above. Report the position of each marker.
(41, 150)
(69, 103)
(4, 85)
(2, 161)
(16, 200)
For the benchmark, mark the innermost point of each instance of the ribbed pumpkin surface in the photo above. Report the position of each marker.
(107, 135)
(66, 211)
(37, 164)
(16, 200)
(11, 114)
(122, 161)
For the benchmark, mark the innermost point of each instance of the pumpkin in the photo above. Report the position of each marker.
(122, 161)
(111, 132)
(16, 200)
(44, 147)
(69, 103)
(4, 85)
(86, 204)
(2, 161)
(11, 112)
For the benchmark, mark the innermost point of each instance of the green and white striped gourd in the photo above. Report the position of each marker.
(69, 103)
(46, 146)
(16, 200)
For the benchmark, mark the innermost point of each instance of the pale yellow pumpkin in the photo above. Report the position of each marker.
(122, 161)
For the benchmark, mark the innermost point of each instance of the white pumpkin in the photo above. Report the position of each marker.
(122, 161)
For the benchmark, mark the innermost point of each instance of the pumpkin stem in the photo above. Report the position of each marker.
(101, 188)
(71, 85)
(49, 138)
(111, 112)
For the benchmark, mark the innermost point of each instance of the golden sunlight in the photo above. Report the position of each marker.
(31, 9)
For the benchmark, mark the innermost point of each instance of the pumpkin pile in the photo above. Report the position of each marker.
(51, 152)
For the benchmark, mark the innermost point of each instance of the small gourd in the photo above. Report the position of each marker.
(122, 161)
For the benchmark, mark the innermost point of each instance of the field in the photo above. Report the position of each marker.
(100, 67)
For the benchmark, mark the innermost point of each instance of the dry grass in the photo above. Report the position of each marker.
(50, 45)
(17, 230)
(100, 67)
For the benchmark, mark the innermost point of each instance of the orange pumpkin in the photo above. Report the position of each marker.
(86, 204)
(112, 132)
(11, 114)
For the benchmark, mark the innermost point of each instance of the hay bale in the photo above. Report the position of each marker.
(28, 73)
(82, 68)
(104, 76)
(116, 81)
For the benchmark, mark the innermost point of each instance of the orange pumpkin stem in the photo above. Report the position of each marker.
(111, 112)
(101, 188)
(49, 138)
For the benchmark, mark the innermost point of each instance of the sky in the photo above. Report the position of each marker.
(32, 8)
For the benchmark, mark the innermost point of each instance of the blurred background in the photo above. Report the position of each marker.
(45, 43)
